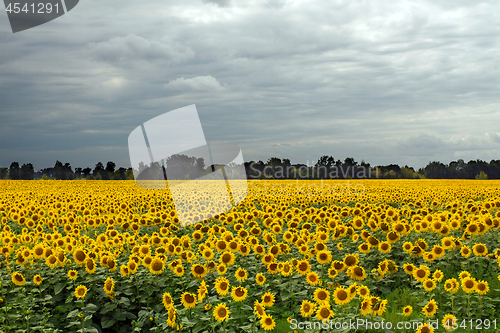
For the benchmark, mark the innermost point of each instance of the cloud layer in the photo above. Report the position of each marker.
(405, 82)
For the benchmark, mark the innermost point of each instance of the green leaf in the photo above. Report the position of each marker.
(90, 307)
(73, 313)
(386, 290)
(108, 307)
(118, 315)
(125, 301)
(59, 287)
(107, 322)
(130, 315)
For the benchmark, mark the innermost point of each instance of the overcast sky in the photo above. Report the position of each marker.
(403, 82)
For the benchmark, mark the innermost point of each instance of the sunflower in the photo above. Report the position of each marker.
(324, 257)
(199, 271)
(425, 328)
(146, 262)
(364, 248)
(124, 271)
(480, 250)
(222, 286)
(268, 299)
(363, 291)
(37, 279)
(312, 278)
(384, 247)
(132, 266)
(18, 279)
(341, 296)
(286, 269)
(429, 284)
(437, 275)
(421, 274)
(407, 246)
(227, 258)
(38, 251)
(156, 266)
(109, 286)
(380, 308)
(451, 285)
(79, 255)
(241, 274)
(332, 273)
(351, 260)
(307, 308)
(258, 309)
(407, 310)
(449, 321)
(482, 287)
(72, 274)
(321, 296)
(463, 275)
(172, 315)
(51, 261)
(80, 291)
(167, 300)
(267, 322)
(260, 279)
(239, 294)
(221, 312)
(221, 269)
(430, 308)
(303, 267)
(469, 284)
(208, 254)
(366, 306)
(202, 291)
(356, 273)
(90, 266)
(188, 300)
(179, 270)
(324, 312)
(144, 250)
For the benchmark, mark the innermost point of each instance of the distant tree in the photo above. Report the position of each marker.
(436, 170)
(110, 167)
(4, 173)
(457, 169)
(409, 173)
(180, 166)
(99, 170)
(78, 172)
(323, 166)
(129, 174)
(99, 167)
(14, 170)
(494, 169)
(155, 171)
(482, 176)
(27, 172)
(474, 168)
(120, 174)
(349, 161)
(63, 172)
(86, 172)
(58, 170)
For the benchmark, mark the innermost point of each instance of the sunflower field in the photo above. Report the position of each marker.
(108, 256)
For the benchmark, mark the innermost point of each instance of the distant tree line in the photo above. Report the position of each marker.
(66, 172)
(184, 167)
(328, 168)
